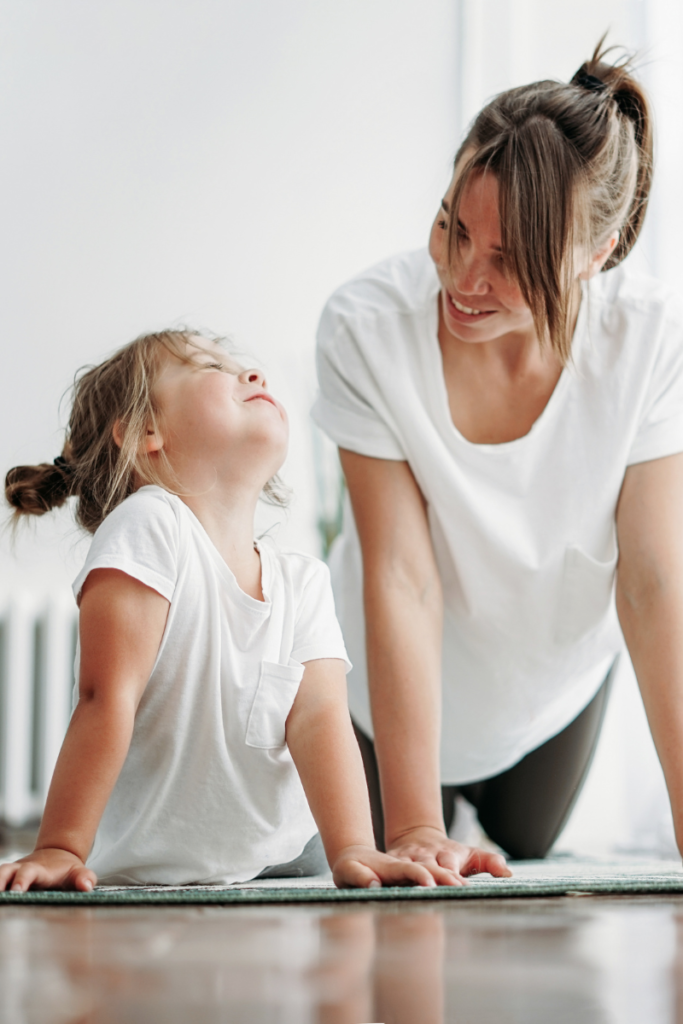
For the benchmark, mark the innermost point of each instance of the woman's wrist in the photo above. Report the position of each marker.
(394, 837)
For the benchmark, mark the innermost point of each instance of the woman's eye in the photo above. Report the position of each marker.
(443, 224)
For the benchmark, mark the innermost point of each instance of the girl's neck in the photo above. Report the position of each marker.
(229, 523)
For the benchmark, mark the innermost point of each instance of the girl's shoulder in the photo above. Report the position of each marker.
(140, 537)
(298, 567)
(148, 507)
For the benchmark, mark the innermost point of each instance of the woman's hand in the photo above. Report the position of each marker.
(363, 867)
(47, 869)
(448, 862)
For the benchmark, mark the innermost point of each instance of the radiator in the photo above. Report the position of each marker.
(37, 650)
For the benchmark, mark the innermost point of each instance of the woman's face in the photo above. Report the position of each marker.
(479, 300)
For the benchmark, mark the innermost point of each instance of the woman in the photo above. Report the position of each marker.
(510, 422)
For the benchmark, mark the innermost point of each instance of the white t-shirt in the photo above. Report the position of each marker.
(523, 531)
(209, 791)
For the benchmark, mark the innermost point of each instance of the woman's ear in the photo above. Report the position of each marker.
(153, 442)
(599, 258)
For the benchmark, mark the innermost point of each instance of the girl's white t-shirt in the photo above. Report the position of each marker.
(524, 532)
(209, 792)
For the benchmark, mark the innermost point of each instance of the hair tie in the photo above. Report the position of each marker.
(589, 82)
(61, 463)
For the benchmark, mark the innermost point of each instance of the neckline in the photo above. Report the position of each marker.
(551, 405)
(252, 603)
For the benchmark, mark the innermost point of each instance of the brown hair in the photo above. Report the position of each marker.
(573, 164)
(92, 467)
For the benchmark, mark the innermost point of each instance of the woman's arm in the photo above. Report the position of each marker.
(403, 616)
(121, 625)
(650, 606)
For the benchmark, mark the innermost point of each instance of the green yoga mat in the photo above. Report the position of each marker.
(556, 877)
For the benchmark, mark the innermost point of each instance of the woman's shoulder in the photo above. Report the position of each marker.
(404, 283)
(636, 295)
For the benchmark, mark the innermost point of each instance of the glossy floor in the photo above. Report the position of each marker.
(582, 959)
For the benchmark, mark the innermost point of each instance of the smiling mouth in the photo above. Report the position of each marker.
(264, 396)
(466, 309)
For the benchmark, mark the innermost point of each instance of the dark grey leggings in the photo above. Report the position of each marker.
(525, 808)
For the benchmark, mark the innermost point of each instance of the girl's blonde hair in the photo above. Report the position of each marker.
(92, 468)
(573, 164)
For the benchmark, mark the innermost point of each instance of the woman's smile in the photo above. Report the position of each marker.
(462, 313)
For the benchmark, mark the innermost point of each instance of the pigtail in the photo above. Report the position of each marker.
(35, 490)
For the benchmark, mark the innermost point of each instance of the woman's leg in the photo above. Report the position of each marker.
(367, 751)
(525, 808)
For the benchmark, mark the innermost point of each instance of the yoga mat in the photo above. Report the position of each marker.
(556, 877)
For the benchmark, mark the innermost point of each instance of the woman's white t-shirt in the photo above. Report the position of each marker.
(523, 531)
(209, 791)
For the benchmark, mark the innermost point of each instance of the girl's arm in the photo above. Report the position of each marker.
(650, 606)
(121, 625)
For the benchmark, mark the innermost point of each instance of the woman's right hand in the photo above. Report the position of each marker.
(448, 861)
(47, 869)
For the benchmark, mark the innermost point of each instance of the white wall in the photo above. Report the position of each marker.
(227, 165)
(220, 164)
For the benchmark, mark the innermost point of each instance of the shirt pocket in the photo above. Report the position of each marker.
(585, 596)
(277, 688)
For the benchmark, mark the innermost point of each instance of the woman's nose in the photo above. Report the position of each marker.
(252, 376)
(469, 275)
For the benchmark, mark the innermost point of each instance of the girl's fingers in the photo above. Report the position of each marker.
(355, 875)
(7, 873)
(398, 872)
(25, 876)
(83, 880)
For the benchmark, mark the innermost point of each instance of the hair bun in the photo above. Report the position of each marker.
(585, 80)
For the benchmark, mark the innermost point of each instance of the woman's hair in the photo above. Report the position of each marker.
(573, 164)
(93, 468)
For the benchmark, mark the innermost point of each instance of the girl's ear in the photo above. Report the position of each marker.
(599, 258)
(153, 442)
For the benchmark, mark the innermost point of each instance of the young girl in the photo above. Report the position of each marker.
(211, 708)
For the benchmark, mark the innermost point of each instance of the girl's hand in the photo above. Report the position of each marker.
(448, 862)
(362, 867)
(47, 869)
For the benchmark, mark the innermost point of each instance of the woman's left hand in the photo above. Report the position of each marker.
(448, 862)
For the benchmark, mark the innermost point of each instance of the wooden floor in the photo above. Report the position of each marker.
(593, 960)
(588, 960)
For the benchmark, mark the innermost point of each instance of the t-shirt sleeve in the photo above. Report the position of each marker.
(660, 431)
(317, 633)
(348, 405)
(140, 538)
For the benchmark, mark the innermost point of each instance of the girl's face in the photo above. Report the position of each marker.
(479, 300)
(218, 417)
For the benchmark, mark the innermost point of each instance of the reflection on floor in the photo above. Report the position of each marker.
(594, 960)
(527, 962)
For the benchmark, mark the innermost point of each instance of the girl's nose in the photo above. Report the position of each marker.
(252, 376)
